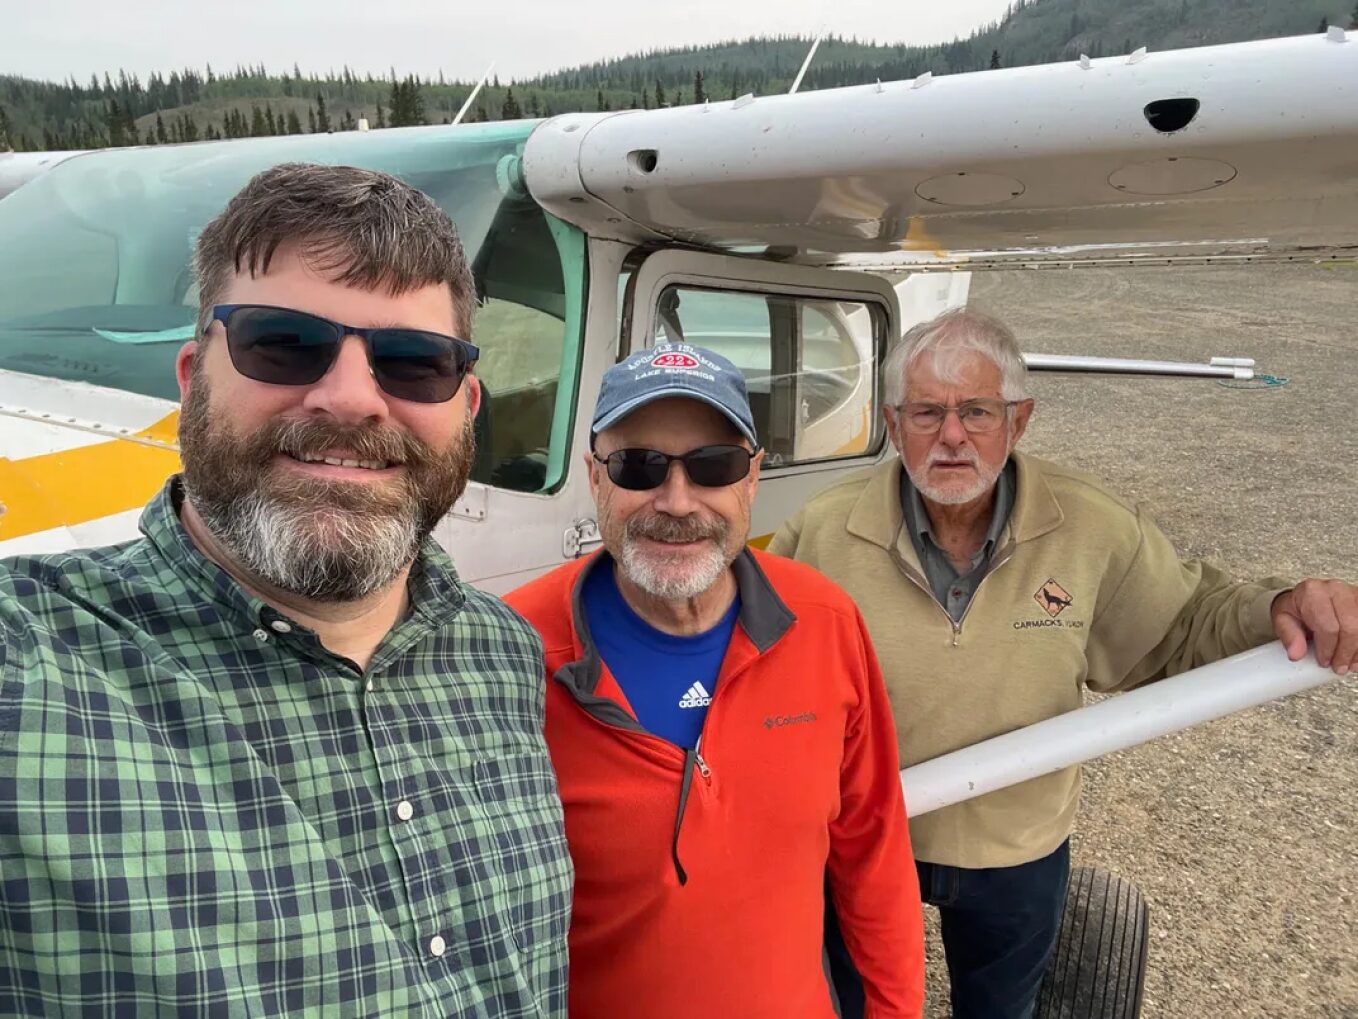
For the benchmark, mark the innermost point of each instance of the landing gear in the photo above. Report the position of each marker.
(1099, 965)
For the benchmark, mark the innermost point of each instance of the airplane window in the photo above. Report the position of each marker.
(520, 369)
(808, 365)
(835, 387)
(95, 284)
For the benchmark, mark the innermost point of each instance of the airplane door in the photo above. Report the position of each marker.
(810, 343)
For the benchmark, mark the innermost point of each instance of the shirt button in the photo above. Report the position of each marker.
(262, 636)
(368, 686)
(437, 946)
(281, 626)
(405, 810)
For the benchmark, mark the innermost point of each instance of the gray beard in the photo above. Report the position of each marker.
(653, 577)
(985, 481)
(325, 555)
(960, 497)
(327, 542)
(655, 572)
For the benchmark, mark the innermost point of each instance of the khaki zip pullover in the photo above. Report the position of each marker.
(1083, 590)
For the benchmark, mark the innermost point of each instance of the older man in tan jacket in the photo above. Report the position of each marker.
(995, 586)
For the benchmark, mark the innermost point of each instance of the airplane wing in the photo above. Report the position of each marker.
(1228, 152)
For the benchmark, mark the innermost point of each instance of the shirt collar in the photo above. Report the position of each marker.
(434, 587)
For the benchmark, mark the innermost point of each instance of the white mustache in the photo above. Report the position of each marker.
(939, 455)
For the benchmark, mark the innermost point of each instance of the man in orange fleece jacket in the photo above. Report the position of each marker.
(720, 731)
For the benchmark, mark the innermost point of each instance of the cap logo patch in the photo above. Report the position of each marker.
(674, 360)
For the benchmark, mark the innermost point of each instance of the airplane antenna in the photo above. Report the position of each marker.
(467, 105)
(806, 63)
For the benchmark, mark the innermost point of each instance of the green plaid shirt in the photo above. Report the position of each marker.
(203, 812)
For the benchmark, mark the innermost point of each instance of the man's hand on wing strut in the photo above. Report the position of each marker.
(1324, 611)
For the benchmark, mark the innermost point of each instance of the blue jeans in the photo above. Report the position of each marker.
(999, 929)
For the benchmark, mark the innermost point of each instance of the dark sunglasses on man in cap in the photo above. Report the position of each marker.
(286, 347)
(639, 470)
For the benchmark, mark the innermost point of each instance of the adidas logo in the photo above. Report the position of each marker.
(696, 697)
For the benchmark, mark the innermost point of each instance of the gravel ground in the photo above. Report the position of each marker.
(1240, 833)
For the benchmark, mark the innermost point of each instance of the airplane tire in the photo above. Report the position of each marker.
(1099, 965)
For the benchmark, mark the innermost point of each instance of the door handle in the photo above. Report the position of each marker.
(581, 538)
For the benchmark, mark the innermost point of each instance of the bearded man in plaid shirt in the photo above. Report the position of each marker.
(274, 757)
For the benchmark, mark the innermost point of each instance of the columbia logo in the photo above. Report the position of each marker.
(696, 697)
(778, 721)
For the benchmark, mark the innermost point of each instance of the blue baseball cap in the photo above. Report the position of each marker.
(674, 369)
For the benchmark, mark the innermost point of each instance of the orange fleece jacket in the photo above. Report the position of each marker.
(700, 874)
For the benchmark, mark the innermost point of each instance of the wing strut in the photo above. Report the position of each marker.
(1240, 368)
(797, 83)
(471, 97)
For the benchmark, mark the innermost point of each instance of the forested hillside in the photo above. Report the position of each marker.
(117, 108)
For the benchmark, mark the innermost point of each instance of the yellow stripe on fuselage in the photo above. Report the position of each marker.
(75, 486)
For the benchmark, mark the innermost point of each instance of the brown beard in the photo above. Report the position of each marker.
(228, 477)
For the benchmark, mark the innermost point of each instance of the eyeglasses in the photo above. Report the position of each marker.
(977, 416)
(639, 470)
(286, 347)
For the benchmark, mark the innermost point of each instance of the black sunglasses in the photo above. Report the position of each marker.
(286, 347)
(709, 466)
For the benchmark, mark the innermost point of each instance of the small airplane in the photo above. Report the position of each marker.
(797, 234)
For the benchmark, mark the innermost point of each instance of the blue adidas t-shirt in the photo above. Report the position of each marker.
(668, 680)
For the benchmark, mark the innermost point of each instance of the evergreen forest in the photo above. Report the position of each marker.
(193, 104)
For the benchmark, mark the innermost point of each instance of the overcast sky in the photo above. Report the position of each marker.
(53, 39)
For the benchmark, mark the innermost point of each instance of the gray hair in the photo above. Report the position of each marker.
(368, 229)
(949, 338)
